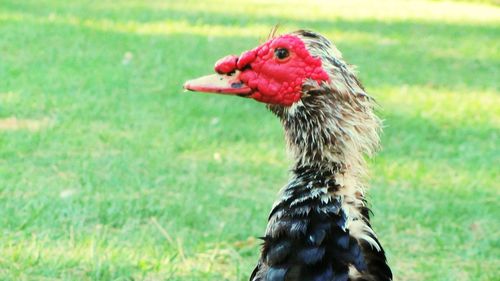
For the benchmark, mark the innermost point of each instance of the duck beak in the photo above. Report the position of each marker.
(220, 84)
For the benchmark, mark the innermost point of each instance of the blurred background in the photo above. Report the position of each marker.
(109, 171)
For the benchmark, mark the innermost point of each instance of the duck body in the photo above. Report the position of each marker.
(308, 237)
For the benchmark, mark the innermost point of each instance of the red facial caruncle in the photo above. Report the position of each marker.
(272, 73)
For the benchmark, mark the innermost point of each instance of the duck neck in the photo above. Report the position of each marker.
(328, 133)
(316, 144)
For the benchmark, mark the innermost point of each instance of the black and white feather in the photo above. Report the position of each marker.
(319, 228)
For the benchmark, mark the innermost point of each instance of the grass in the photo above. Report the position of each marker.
(108, 171)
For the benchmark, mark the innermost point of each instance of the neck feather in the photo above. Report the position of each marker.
(331, 133)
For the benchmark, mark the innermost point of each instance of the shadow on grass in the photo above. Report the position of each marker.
(393, 53)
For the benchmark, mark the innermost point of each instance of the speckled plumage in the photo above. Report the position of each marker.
(319, 227)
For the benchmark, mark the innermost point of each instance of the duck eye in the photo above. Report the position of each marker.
(281, 53)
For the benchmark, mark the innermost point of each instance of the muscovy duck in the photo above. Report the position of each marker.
(319, 228)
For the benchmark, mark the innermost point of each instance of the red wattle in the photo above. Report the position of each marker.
(271, 79)
(246, 58)
(226, 64)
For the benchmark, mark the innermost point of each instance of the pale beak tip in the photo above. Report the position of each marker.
(217, 83)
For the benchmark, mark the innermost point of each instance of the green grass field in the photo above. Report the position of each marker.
(109, 171)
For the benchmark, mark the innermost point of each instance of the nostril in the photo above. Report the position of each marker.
(236, 85)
